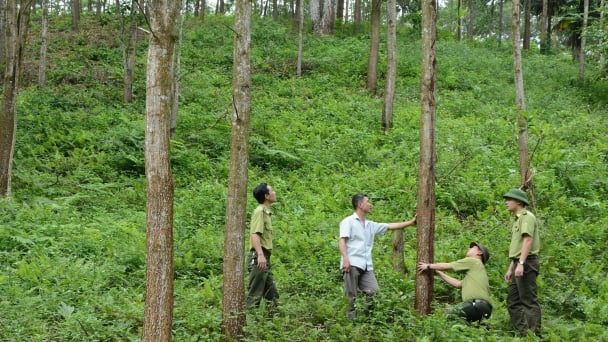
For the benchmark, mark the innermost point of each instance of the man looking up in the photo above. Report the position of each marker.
(356, 243)
(261, 281)
(522, 299)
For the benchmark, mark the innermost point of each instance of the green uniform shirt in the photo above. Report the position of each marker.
(525, 224)
(261, 224)
(475, 284)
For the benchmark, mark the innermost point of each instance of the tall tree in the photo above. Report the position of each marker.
(76, 9)
(601, 41)
(471, 22)
(233, 296)
(300, 20)
(527, 28)
(128, 43)
(545, 44)
(522, 124)
(374, 45)
(16, 29)
(44, 43)
(3, 15)
(581, 56)
(158, 315)
(391, 69)
(426, 169)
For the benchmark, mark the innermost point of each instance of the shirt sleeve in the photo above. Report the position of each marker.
(461, 265)
(257, 222)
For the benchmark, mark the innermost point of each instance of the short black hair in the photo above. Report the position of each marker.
(260, 192)
(358, 198)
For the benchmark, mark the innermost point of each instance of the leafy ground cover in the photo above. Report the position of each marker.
(72, 243)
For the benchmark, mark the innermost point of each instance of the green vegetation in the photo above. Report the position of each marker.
(72, 238)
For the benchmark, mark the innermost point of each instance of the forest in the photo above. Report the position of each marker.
(73, 224)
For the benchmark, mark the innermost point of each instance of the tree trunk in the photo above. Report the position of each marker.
(601, 40)
(425, 222)
(328, 17)
(340, 10)
(545, 45)
(471, 23)
(581, 58)
(300, 12)
(129, 54)
(315, 7)
(391, 70)
(44, 43)
(501, 24)
(76, 6)
(178, 72)
(522, 124)
(357, 17)
(459, 19)
(233, 296)
(527, 15)
(17, 20)
(3, 15)
(158, 315)
(372, 62)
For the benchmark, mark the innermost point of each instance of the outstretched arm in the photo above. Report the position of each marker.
(401, 225)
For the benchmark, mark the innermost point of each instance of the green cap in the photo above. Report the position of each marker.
(517, 194)
(485, 252)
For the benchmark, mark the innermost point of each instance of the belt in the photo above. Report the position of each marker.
(530, 257)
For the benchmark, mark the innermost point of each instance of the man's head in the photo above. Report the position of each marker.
(361, 202)
(263, 192)
(515, 198)
(479, 250)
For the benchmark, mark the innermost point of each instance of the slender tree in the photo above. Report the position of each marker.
(522, 124)
(233, 316)
(44, 43)
(128, 42)
(545, 44)
(16, 29)
(374, 45)
(76, 9)
(391, 69)
(425, 221)
(581, 53)
(158, 314)
(300, 20)
(601, 41)
(527, 28)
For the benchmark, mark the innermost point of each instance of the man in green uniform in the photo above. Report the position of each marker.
(522, 299)
(261, 281)
(477, 302)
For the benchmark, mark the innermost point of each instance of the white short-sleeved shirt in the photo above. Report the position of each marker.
(360, 240)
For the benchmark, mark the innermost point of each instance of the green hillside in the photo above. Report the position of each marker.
(72, 237)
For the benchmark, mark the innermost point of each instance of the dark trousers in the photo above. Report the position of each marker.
(474, 310)
(522, 299)
(261, 282)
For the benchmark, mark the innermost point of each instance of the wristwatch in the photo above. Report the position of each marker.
(520, 262)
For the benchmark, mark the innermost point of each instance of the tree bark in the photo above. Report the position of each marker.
(233, 315)
(425, 222)
(44, 43)
(471, 23)
(372, 62)
(300, 12)
(129, 53)
(158, 315)
(545, 45)
(357, 17)
(17, 20)
(391, 68)
(581, 56)
(527, 15)
(76, 9)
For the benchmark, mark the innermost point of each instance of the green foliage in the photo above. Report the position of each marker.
(72, 238)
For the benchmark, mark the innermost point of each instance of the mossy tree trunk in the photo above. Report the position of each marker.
(374, 45)
(158, 315)
(233, 291)
(425, 220)
(17, 20)
(391, 66)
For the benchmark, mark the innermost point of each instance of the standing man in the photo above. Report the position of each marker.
(477, 302)
(356, 243)
(261, 282)
(522, 299)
